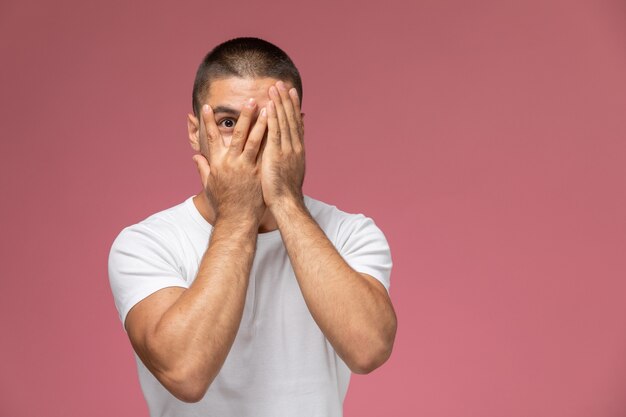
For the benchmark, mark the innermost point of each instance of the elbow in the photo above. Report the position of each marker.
(185, 377)
(368, 363)
(183, 373)
(192, 394)
(188, 387)
(367, 360)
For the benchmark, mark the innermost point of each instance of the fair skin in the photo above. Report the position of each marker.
(251, 163)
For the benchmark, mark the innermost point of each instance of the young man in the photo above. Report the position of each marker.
(250, 298)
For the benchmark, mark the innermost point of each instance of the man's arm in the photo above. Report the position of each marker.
(353, 310)
(183, 336)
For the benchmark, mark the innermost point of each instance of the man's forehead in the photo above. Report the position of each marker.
(241, 88)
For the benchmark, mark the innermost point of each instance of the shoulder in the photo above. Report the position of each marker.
(146, 257)
(160, 229)
(325, 214)
(357, 238)
(338, 224)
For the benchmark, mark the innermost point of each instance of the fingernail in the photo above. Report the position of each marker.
(262, 112)
(205, 108)
(281, 85)
(293, 92)
(250, 103)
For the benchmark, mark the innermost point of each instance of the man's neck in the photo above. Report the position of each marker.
(268, 222)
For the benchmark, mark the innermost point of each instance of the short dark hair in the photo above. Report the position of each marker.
(243, 57)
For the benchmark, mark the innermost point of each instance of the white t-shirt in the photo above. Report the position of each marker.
(280, 363)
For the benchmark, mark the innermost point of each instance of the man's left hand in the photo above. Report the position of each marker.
(282, 168)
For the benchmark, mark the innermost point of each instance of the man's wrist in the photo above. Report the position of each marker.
(287, 207)
(246, 223)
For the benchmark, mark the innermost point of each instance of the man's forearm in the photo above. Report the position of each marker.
(194, 336)
(356, 319)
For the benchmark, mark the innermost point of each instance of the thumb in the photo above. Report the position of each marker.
(203, 166)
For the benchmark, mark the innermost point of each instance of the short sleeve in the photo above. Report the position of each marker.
(366, 249)
(140, 263)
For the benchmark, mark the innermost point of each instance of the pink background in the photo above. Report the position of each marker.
(487, 139)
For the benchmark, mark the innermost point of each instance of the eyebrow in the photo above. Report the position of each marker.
(226, 109)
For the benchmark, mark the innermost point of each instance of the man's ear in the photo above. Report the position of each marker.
(193, 128)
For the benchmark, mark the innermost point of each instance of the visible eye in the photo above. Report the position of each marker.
(227, 123)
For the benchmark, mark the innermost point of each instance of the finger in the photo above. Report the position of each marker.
(285, 140)
(259, 155)
(240, 133)
(273, 128)
(295, 99)
(203, 167)
(285, 97)
(255, 137)
(214, 137)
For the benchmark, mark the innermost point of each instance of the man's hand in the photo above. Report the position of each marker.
(283, 157)
(231, 174)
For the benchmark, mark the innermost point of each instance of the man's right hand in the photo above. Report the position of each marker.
(231, 174)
